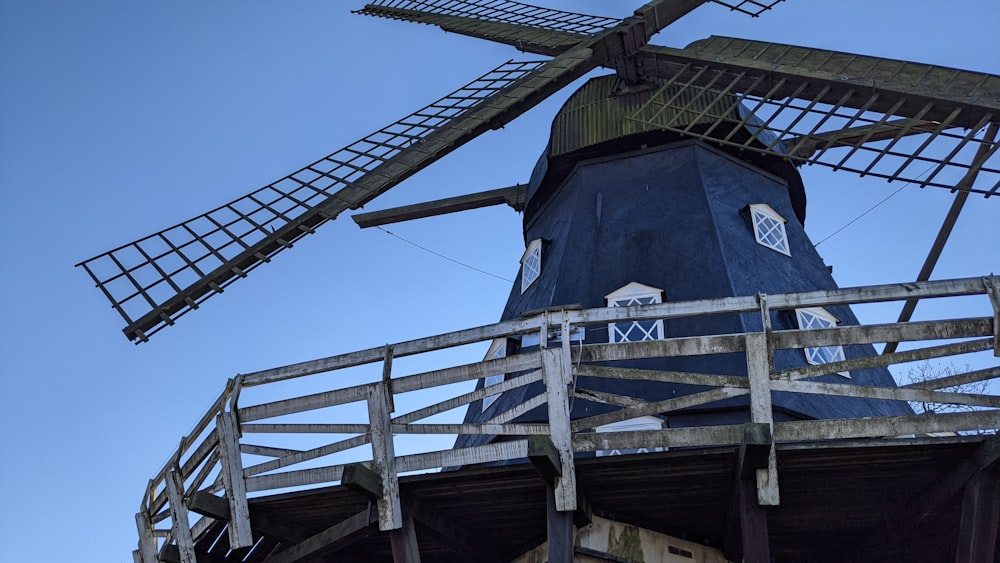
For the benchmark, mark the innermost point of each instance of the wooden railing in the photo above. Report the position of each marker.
(217, 456)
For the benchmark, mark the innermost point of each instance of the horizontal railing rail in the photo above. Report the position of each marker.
(239, 446)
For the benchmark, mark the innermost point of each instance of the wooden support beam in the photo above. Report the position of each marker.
(514, 196)
(384, 458)
(559, 529)
(977, 532)
(759, 375)
(337, 536)
(265, 522)
(179, 517)
(755, 449)
(542, 454)
(992, 284)
(361, 479)
(746, 527)
(404, 541)
(556, 371)
(228, 430)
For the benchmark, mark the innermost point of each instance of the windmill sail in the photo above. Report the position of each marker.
(156, 279)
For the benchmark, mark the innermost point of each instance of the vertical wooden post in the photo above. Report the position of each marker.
(559, 530)
(556, 371)
(404, 542)
(232, 478)
(992, 284)
(977, 531)
(147, 541)
(384, 457)
(759, 375)
(179, 517)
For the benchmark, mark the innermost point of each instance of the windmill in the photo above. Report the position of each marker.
(737, 102)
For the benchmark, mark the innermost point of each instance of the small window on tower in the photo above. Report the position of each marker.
(769, 228)
(635, 331)
(818, 317)
(531, 264)
(498, 349)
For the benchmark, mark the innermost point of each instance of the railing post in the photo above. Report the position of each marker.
(557, 373)
(228, 428)
(759, 376)
(179, 516)
(992, 284)
(147, 541)
(390, 515)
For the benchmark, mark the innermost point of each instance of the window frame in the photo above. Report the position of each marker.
(758, 213)
(633, 291)
(533, 251)
(815, 355)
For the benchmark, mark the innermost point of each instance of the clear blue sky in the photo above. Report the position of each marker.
(119, 118)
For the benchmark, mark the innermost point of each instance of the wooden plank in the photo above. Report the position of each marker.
(301, 477)
(755, 448)
(806, 430)
(722, 435)
(759, 375)
(307, 455)
(404, 541)
(517, 410)
(232, 478)
(466, 398)
(667, 405)
(508, 429)
(686, 346)
(180, 525)
(895, 332)
(608, 398)
(992, 284)
(886, 393)
(513, 196)
(207, 504)
(384, 459)
(268, 451)
(337, 536)
(487, 453)
(956, 380)
(977, 531)
(556, 373)
(687, 378)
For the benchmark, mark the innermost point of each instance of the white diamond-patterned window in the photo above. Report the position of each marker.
(769, 228)
(635, 331)
(641, 423)
(531, 264)
(498, 349)
(818, 317)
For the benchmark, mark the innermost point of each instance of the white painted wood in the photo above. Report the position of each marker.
(181, 526)
(557, 376)
(232, 478)
(147, 541)
(390, 514)
(759, 375)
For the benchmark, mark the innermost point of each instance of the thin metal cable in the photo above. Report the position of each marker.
(439, 255)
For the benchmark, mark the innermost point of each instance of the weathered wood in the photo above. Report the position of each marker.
(268, 451)
(207, 504)
(384, 459)
(147, 541)
(518, 410)
(466, 398)
(513, 196)
(992, 284)
(507, 429)
(722, 435)
(755, 448)
(387, 377)
(759, 375)
(180, 525)
(686, 378)
(977, 531)
(232, 477)
(404, 541)
(753, 523)
(559, 529)
(299, 457)
(361, 479)
(544, 456)
(667, 405)
(608, 398)
(956, 380)
(337, 536)
(313, 476)
(840, 429)
(487, 453)
(871, 334)
(886, 393)
(883, 360)
(306, 428)
(686, 346)
(556, 373)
